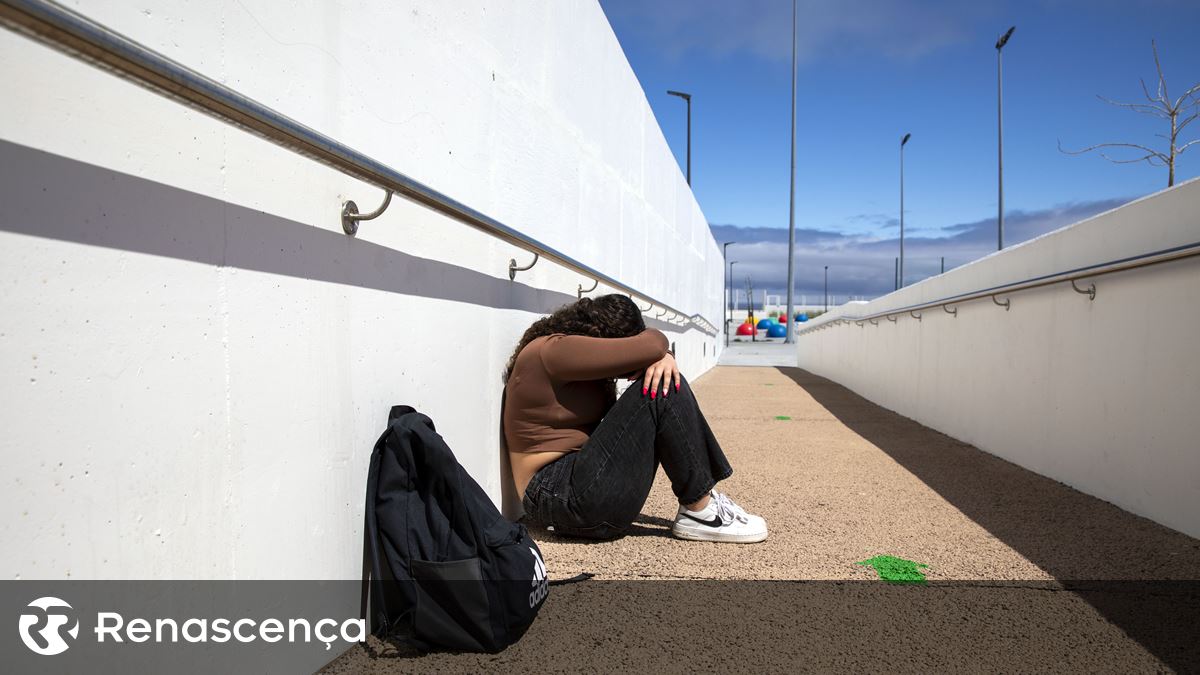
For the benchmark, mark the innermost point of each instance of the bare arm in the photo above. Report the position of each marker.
(579, 357)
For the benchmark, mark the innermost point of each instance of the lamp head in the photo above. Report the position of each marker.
(1004, 38)
(905, 139)
(680, 94)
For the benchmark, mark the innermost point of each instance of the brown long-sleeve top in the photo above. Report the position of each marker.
(558, 392)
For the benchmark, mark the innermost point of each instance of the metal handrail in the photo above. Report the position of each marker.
(1098, 269)
(90, 41)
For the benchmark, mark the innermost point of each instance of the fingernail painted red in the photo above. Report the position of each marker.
(676, 387)
(653, 393)
(644, 390)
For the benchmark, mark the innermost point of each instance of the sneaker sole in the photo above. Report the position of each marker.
(694, 535)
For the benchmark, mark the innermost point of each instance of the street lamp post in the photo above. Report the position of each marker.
(729, 283)
(792, 187)
(750, 307)
(900, 264)
(731, 308)
(1000, 138)
(827, 288)
(688, 98)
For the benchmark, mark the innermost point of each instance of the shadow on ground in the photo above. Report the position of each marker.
(643, 526)
(1148, 572)
(809, 626)
(1119, 594)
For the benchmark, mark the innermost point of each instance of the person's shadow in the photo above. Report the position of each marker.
(643, 526)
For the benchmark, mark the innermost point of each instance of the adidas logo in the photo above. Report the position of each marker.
(540, 585)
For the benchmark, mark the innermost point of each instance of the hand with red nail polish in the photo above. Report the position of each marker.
(660, 375)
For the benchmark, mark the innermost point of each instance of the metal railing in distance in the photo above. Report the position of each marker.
(1068, 276)
(79, 36)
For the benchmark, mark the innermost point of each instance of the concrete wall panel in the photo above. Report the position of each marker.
(1101, 395)
(196, 361)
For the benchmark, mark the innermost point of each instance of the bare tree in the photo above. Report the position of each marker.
(1160, 105)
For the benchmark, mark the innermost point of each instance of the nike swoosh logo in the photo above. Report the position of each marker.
(714, 522)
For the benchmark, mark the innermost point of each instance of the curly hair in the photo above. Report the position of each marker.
(606, 316)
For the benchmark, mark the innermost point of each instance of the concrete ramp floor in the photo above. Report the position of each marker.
(1021, 573)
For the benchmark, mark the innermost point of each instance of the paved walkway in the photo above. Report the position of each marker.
(1023, 573)
(764, 353)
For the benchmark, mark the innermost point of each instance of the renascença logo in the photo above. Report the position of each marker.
(42, 631)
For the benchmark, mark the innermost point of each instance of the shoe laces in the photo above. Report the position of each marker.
(728, 509)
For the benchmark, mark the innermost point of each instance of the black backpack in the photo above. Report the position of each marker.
(446, 569)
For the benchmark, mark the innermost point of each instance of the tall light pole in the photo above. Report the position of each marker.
(731, 298)
(688, 98)
(827, 288)
(792, 184)
(750, 306)
(900, 265)
(1000, 136)
(729, 283)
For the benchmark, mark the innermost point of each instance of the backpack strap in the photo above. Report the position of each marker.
(372, 577)
(582, 576)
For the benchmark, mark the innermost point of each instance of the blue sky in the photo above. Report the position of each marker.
(873, 70)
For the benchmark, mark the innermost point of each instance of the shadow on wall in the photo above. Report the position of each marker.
(59, 198)
(64, 199)
(1139, 575)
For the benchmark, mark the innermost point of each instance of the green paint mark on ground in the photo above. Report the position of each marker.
(782, 417)
(768, 384)
(896, 570)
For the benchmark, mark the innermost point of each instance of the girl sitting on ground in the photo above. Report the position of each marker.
(585, 460)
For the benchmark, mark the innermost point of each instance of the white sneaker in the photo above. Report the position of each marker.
(722, 520)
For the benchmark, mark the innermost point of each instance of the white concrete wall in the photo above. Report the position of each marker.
(195, 362)
(1102, 395)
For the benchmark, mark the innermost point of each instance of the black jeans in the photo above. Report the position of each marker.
(598, 491)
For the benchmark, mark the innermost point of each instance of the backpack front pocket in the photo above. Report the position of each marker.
(452, 604)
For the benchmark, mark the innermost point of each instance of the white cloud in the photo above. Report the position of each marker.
(864, 266)
(825, 28)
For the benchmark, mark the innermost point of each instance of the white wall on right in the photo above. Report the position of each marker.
(1103, 395)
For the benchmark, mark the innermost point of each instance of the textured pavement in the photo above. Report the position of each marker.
(1023, 573)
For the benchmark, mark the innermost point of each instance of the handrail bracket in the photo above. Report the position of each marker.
(1007, 304)
(582, 290)
(351, 216)
(513, 269)
(1090, 291)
